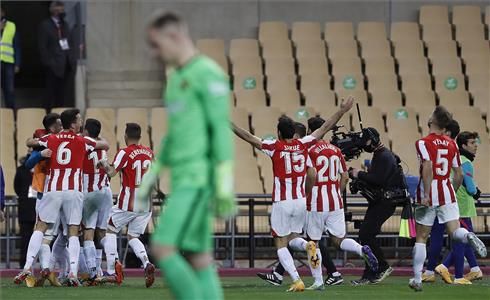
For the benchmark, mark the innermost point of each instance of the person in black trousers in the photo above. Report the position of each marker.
(26, 206)
(56, 48)
(383, 174)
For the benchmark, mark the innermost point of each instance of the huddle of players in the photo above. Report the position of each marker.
(309, 197)
(76, 194)
(309, 175)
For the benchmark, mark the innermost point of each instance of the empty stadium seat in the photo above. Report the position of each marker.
(240, 116)
(477, 65)
(403, 145)
(59, 110)
(480, 100)
(247, 65)
(344, 65)
(319, 97)
(107, 118)
(313, 65)
(371, 117)
(211, 47)
(417, 97)
(7, 150)
(342, 49)
(470, 119)
(28, 120)
(280, 66)
(405, 31)
(280, 81)
(250, 99)
(437, 49)
(248, 82)
(359, 95)
(481, 163)
(450, 82)
(466, 14)
(273, 30)
(399, 119)
(264, 122)
(371, 31)
(379, 66)
(375, 48)
(327, 111)
(423, 114)
(474, 48)
(416, 81)
(310, 48)
(276, 49)
(417, 65)
(132, 115)
(382, 82)
(487, 15)
(158, 125)
(300, 113)
(285, 98)
(349, 82)
(305, 31)
(446, 65)
(437, 32)
(433, 14)
(244, 48)
(335, 31)
(468, 32)
(314, 81)
(386, 100)
(408, 48)
(454, 98)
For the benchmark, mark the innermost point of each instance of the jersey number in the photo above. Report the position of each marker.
(140, 167)
(63, 156)
(325, 163)
(94, 157)
(442, 162)
(293, 161)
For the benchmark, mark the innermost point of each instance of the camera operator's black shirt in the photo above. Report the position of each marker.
(383, 171)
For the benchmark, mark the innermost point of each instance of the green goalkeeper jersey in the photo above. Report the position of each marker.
(197, 98)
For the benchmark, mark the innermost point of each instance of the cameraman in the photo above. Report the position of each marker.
(383, 174)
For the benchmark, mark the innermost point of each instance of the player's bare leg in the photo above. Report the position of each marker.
(288, 263)
(207, 275)
(140, 252)
(419, 254)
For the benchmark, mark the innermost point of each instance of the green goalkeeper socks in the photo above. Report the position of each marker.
(181, 278)
(209, 283)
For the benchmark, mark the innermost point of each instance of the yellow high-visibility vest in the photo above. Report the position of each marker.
(7, 43)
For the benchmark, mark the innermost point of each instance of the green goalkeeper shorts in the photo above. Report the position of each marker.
(186, 220)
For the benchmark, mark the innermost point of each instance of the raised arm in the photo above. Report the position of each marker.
(247, 136)
(330, 123)
(102, 144)
(108, 168)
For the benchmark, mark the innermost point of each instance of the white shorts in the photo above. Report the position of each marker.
(288, 217)
(136, 222)
(66, 204)
(96, 208)
(426, 215)
(332, 222)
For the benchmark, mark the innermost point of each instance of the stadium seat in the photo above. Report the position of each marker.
(359, 95)
(305, 31)
(446, 65)
(312, 65)
(423, 113)
(250, 99)
(240, 116)
(487, 15)
(264, 122)
(470, 119)
(267, 175)
(276, 49)
(450, 82)
(454, 98)
(371, 31)
(416, 66)
(107, 118)
(310, 48)
(416, 97)
(158, 126)
(338, 31)
(7, 150)
(382, 82)
(468, 32)
(247, 174)
(480, 100)
(433, 14)
(300, 113)
(247, 65)
(472, 48)
(477, 65)
(342, 49)
(280, 66)
(408, 49)
(313, 81)
(344, 65)
(132, 115)
(371, 117)
(466, 14)
(319, 97)
(327, 111)
(285, 98)
(273, 30)
(439, 49)
(244, 48)
(59, 110)
(280, 81)
(416, 81)
(211, 47)
(437, 32)
(481, 163)
(375, 48)
(253, 81)
(403, 144)
(400, 119)
(386, 99)
(379, 66)
(405, 31)
(349, 82)
(28, 120)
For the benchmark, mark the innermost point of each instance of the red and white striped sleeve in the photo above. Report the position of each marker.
(89, 144)
(457, 158)
(43, 141)
(269, 147)
(422, 151)
(308, 141)
(121, 160)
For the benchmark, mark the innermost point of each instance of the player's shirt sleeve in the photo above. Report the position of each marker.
(422, 151)
(308, 141)
(120, 161)
(215, 92)
(269, 147)
(43, 141)
(89, 144)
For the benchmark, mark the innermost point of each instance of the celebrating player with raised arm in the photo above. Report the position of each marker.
(289, 204)
(63, 193)
(438, 154)
(132, 162)
(198, 149)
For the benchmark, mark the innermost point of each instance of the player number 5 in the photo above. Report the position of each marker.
(442, 162)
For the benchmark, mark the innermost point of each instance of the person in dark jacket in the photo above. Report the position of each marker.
(56, 49)
(26, 206)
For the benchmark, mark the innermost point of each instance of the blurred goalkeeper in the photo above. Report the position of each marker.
(198, 149)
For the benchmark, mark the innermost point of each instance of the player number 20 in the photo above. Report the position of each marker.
(140, 167)
(330, 166)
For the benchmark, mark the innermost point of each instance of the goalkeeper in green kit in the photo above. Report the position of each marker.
(198, 150)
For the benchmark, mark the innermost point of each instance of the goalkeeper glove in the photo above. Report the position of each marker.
(225, 204)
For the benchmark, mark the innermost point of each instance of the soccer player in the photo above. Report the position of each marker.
(98, 200)
(198, 150)
(436, 194)
(327, 177)
(289, 204)
(466, 196)
(132, 162)
(63, 196)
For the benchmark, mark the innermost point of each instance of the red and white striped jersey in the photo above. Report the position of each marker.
(289, 166)
(133, 162)
(329, 164)
(66, 161)
(443, 153)
(94, 179)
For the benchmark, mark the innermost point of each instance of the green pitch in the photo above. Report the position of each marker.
(395, 288)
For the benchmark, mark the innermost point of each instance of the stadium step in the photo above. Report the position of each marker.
(126, 102)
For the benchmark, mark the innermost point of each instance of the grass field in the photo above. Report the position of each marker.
(394, 288)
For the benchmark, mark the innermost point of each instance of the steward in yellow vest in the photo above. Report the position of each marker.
(9, 58)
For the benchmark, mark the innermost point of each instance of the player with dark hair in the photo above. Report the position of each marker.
(436, 194)
(132, 162)
(299, 130)
(289, 197)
